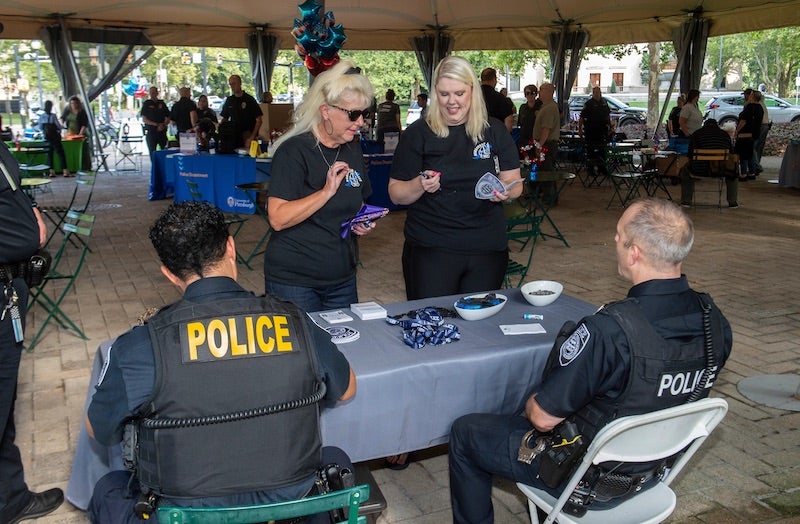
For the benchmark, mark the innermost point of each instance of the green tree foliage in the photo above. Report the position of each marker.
(771, 57)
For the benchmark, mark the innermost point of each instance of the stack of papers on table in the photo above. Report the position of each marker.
(335, 317)
(368, 310)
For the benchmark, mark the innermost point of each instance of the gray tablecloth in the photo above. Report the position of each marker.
(789, 175)
(406, 399)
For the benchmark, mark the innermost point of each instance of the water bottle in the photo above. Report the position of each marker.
(655, 144)
(534, 169)
(614, 140)
(18, 142)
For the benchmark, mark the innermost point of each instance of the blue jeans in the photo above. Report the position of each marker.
(313, 298)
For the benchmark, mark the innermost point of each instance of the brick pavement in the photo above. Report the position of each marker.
(748, 471)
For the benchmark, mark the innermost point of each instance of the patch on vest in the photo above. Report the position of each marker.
(573, 346)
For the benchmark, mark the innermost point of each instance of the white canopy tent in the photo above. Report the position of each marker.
(389, 24)
(432, 28)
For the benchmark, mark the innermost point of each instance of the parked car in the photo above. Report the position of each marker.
(621, 113)
(215, 102)
(726, 108)
(414, 112)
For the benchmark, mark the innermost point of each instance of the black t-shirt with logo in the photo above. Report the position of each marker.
(313, 253)
(453, 218)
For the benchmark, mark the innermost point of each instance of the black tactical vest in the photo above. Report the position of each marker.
(663, 373)
(216, 364)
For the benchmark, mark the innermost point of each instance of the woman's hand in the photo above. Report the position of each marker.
(362, 228)
(336, 173)
(430, 180)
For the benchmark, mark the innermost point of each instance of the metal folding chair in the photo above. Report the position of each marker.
(525, 228)
(346, 499)
(716, 159)
(673, 432)
(233, 221)
(253, 189)
(64, 271)
(129, 147)
(80, 200)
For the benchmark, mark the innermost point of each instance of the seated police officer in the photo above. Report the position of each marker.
(220, 388)
(594, 372)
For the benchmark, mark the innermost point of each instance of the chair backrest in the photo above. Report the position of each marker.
(719, 155)
(652, 436)
(345, 499)
(194, 191)
(84, 183)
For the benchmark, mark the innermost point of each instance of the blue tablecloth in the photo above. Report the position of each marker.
(163, 174)
(407, 399)
(378, 168)
(162, 182)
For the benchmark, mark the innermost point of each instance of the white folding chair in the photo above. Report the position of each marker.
(639, 438)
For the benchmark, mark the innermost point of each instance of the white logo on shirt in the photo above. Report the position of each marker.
(573, 346)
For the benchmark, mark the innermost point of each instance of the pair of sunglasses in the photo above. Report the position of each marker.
(353, 114)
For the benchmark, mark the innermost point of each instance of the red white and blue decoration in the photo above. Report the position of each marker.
(319, 38)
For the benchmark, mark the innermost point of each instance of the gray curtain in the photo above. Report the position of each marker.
(429, 50)
(115, 44)
(75, 76)
(690, 45)
(263, 49)
(566, 52)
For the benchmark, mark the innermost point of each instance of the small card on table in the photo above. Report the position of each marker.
(522, 329)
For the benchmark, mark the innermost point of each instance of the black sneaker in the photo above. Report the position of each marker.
(40, 505)
(733, 205)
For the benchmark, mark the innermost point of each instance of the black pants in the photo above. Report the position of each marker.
(115, 495)
(155, 138)
(433, 272)
(58, 148)
(14, 493)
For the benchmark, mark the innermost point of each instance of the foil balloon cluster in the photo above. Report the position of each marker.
(319, 38)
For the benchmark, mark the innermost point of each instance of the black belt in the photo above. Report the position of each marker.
(11, 271)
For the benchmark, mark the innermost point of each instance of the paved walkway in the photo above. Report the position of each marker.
(749, 470)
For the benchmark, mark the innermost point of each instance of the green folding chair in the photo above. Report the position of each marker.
(232, 220)
(65, 270)
(348, 499)
(80, 200)
(523, 228)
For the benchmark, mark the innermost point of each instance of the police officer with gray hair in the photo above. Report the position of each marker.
(215, 398)
(664, 331)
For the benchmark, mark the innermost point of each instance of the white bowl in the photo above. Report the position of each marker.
(538, 287)
(484, 312)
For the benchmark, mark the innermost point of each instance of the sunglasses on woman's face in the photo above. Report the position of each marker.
(528, 93)
(353, 114)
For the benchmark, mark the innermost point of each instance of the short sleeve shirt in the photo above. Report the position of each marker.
(694, 120)
(548, 117)
(497, 105)
(598, 362)
(387, 115)
(242, 111)
(313, 253)
(155, 110)
(453, 218)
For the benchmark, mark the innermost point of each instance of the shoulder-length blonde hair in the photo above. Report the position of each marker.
(457, 68)
(341, 83)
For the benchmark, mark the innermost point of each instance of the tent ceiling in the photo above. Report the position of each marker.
(388, 24)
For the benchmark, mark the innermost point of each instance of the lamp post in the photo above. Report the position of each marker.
(162, 73)
(36, 45)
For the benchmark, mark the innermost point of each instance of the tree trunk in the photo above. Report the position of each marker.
(653, 110)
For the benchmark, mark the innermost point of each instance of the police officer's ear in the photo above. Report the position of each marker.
(172, 277)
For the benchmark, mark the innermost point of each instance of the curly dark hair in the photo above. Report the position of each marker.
(189, 237)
